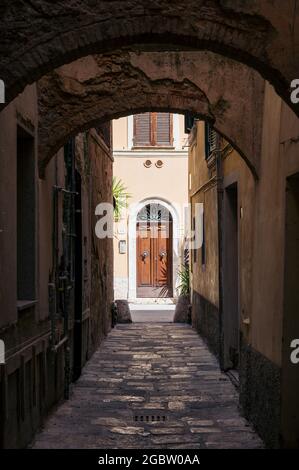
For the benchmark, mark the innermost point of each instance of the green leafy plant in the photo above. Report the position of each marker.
(120, 197)
(184, 276)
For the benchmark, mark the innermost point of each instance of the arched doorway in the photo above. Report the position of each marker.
(154, 252)
(173, 215)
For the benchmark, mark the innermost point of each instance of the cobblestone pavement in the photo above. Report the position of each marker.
(150, 386)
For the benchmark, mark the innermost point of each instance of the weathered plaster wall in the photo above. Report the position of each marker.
(261, 207)
(55, 175)
(203, 190)
(32, 379)
(261, 34)
(22, 111)
(235, 170)
(205, 277)
(261, 387)
(98, 88)
(279, 159)
(101, 296)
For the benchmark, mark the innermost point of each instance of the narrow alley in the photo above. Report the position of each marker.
(150, 386)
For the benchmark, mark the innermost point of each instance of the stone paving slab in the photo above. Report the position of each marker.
(150, 386)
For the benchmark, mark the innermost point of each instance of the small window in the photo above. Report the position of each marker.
(153, 129)
(25, 216)
(210, 140)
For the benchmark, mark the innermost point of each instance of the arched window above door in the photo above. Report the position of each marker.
(154, 213)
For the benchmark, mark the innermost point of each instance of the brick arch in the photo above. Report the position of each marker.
(40, 35)
(98, 88)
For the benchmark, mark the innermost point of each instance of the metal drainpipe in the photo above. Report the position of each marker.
(219, 178)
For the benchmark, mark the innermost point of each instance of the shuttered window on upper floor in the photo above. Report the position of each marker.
(142, 129)
(211, 140)
(153, 129)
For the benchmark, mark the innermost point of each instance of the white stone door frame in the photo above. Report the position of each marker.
(134, 210)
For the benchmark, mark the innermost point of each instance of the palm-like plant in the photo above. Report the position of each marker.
(184, 276)
(120, 197)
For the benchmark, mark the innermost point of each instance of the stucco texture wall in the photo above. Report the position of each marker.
(101, 249)
(22, 111)
(279, 159)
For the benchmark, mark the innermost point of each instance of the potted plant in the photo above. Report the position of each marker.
(120, 197)
(183, 307)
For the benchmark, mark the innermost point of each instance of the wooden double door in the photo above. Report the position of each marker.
(154, 259)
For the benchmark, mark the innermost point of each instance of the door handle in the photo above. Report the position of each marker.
(144, 255)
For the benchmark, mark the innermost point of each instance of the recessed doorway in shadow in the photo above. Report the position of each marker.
(230, 278)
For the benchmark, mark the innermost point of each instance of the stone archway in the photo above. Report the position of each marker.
(39, 35)
(98, 88)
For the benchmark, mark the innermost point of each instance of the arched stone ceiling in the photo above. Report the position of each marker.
(40, 35)
(98, 88)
